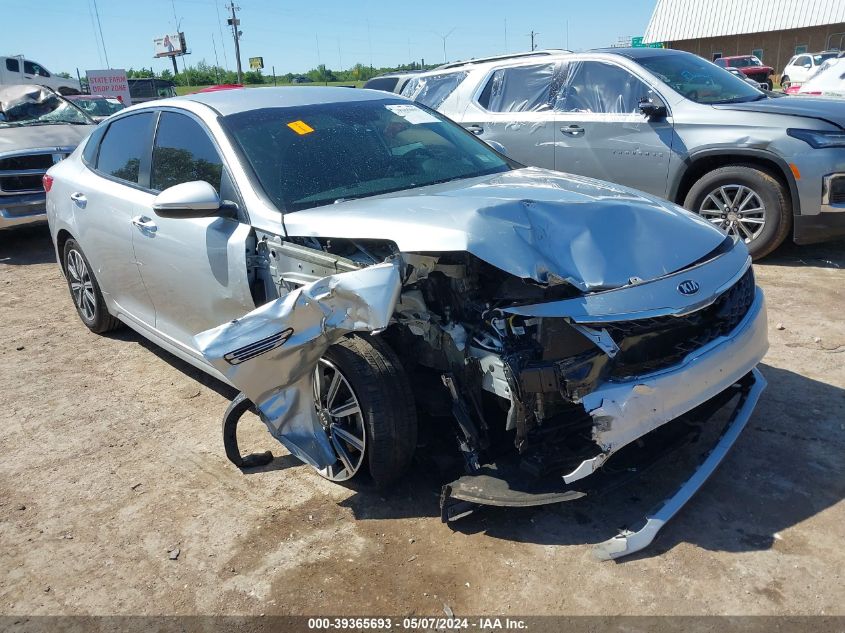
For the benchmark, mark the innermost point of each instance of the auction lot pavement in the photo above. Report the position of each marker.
(111, 459)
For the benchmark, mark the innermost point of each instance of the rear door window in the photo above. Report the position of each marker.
(433, 90)
(12, 65)
(600, 87)
(520, 89)
(183, 152)
(124, 148)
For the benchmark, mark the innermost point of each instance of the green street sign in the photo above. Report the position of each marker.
(637, 42)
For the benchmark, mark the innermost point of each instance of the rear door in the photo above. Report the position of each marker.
(194, 269)
(106, 196)
(600, 131)
(513, 106)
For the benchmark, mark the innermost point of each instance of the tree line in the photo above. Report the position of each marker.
(204, 74)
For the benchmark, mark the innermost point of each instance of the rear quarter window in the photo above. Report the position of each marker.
(434, 89)
(89, 153)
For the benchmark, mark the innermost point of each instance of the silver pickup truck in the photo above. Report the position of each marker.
(38, 128)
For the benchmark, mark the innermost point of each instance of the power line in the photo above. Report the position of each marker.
(100, 27)
(222, 39)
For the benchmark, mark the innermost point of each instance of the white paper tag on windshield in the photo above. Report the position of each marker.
(411, 113)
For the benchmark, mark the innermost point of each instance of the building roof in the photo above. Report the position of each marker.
(675, 20)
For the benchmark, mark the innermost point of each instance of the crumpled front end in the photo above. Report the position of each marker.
(542, 382)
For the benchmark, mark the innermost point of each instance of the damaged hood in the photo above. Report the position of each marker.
(532, 223)
(38, 136)
(813, 107)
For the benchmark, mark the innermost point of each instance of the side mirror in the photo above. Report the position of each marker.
(498, 147)
(808, 66)
(653, 108)
(195, 199)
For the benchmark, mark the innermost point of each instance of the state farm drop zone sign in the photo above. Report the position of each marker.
(109, 83)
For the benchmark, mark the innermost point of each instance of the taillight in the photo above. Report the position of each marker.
(48, 182)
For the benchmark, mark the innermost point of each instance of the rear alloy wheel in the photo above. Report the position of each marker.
(366, 408)
(747, 202)
(85, 291)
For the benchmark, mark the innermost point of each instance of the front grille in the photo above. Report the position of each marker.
(758, 77)
(22, 173)
(649, 345)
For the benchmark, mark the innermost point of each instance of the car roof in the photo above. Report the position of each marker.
(231, 101)
(638, 53)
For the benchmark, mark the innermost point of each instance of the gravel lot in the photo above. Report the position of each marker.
(111, 459)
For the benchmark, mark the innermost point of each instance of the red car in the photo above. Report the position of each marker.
(749, 66)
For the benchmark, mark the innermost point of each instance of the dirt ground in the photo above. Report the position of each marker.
(111, 458)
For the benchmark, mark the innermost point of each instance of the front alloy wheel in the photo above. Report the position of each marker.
(747, 201)
(339, 412)
(736, 209)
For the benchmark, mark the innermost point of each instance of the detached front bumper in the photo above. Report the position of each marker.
(633, 541)
(22, 209)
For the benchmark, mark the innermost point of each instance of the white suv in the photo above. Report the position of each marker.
(801, 67)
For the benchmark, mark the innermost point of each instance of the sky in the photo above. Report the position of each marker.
(63, 35)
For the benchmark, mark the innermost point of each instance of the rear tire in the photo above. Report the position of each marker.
(388, 419)
(85, 291)
(730, 197)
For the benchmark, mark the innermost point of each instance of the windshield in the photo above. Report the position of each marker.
(744, 62)
(699, 80)
(99, 107)
(320, 154)
(50, 110)
(818, 59)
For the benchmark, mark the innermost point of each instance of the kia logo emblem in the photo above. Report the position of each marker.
(688, 287)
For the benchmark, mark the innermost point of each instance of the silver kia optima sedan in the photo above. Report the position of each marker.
(357, 265)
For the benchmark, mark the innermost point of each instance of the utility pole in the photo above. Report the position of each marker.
(533, 35)
(235, 23)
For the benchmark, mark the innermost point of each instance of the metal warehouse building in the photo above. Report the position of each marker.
(773, 30)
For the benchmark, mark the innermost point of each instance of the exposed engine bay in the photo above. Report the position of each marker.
(535, 373)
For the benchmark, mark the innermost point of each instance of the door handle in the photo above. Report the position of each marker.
(475, 129)
(79, 199)
(573, 130)
(144, 223)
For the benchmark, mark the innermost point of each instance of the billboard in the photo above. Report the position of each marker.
(109, 83)
(256, 63)
(169, 45)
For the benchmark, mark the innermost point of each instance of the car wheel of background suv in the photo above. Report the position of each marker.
(365, 404)
(85, 291)
(747, 202)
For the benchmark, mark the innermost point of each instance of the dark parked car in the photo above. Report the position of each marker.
(150, 89)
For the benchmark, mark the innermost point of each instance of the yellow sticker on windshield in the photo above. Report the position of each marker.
(300, 127)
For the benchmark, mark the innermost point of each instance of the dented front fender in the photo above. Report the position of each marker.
(270, 353)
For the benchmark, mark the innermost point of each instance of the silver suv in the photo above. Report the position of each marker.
(666, 122)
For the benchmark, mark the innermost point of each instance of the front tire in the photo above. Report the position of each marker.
(364, 401)
(745, 201)
(785, 82)
(85, 291)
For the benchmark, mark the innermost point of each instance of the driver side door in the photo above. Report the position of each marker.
(194, 269)
(601, 133)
